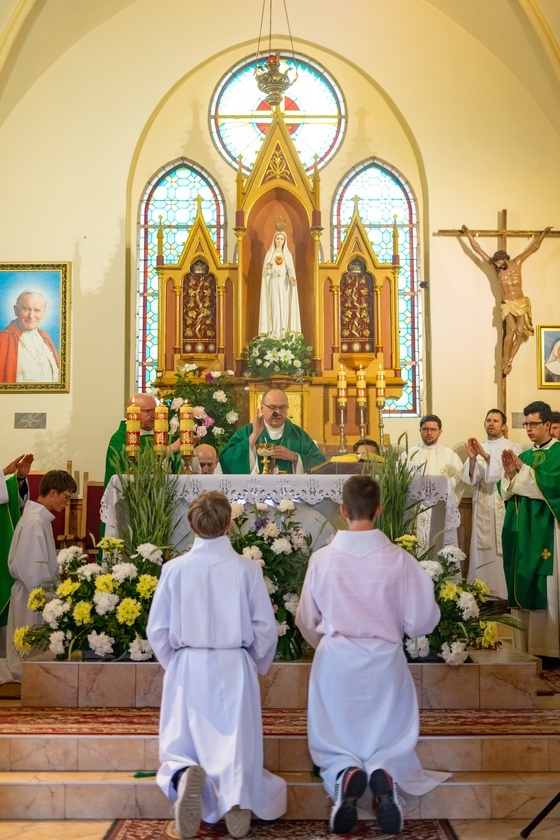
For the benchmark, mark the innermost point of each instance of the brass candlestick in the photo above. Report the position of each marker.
(342, 449)
(362, 423)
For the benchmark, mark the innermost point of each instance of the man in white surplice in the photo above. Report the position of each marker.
(431, 458)
(361, 594)
(482, 470)
(212, 627)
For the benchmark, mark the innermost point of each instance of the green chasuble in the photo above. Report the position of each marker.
(528, 532)
(9, 517)
(234, 457)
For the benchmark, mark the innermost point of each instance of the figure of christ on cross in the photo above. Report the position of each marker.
(515, 308)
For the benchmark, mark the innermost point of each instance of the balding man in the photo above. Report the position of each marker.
(27, 353)
(205, 461)
(294, 451)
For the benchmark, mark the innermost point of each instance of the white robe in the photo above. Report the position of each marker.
(360, 596)
(279, 304)
(488, 510)
(212, 628)
(32, 563)
(438, 460)
(542, 627)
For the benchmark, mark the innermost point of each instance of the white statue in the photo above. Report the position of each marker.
(279, 307)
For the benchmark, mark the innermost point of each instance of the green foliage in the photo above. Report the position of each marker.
(395, 476)
(270, 357)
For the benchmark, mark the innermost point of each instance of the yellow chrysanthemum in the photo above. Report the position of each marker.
(483, 589)
(37, 599)
(110, 544)
(104, 583)
(146, 586)
(407, 541)
(490, 636)
(128, 611)
(82, 612)
(67, 588)
(449, 591)
(20, 639)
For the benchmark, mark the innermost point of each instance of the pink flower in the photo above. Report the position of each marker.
(208, 421)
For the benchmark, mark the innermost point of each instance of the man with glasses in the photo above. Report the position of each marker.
(531, 534)
(32, 561)
(294, 451)
(483, 470)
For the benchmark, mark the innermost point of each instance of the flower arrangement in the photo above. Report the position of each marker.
(213, 399)
(98, 607)
(468, 616)
(271, 536)
(269, 356)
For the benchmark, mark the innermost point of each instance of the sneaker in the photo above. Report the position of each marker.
(388, 805)
(238, 821)
(187, 806)
(350, 785)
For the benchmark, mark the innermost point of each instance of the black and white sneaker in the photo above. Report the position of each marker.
(187, 806)
(388, 804)
(350, 785)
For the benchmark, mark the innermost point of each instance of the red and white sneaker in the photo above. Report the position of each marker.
(388, 804)
(350, 785)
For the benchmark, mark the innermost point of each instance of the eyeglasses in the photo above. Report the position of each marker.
(280, 408)
(67, 496)
(430, 430)
(533, 425)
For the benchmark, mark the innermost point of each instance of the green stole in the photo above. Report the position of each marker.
(528, 533)
(9, 517)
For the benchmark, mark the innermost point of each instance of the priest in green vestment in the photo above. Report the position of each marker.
(13, 490)
(294, 452)
(531, 533)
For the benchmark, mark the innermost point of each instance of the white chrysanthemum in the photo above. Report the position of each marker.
(454, 655)
(67, 556)
(418, 648)
(281, 546)
(124, 571)
(467, 605)
(105, 602)
(232, 417)
(188, 368)
(150, 552)
(201, 431)
(270, 531)
(54, 610)
(282, 628)
(271, 587)
(217, 430)
(219, 396)
(236, 509)
(451, 552)
(177, 403)
(297, 363)
(291, 602)
(230, 372)
(433, 568)
(299, 538)
(253, 552)
(285, 505)
(199, 412)
(56, 642)
(140, 650)
(100, 643)
(173, 424)
(88, 571)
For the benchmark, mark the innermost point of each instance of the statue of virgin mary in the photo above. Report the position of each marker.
(279, 305)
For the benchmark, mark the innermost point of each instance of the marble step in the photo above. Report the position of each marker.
(103, 795)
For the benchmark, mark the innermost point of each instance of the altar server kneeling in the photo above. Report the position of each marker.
(360, 596)
(212, 628)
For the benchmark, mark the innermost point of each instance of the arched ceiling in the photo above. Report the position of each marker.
(523, 34)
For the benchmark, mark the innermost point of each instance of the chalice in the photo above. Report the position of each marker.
(265, 450)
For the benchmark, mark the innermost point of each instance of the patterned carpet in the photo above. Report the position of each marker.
(552, 678)
(279, 722)
(280, 830)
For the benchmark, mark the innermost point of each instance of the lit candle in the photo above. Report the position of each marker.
(341, 391)
(380, 387)
(132, 430)
(161, 430)
(361, 393)
(186, 429)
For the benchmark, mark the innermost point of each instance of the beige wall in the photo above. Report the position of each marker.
(132, 94)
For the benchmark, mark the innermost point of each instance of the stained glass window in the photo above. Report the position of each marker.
(384, 194)
(171, 196)
(313, 109)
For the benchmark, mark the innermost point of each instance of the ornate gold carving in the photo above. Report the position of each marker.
(278, 168)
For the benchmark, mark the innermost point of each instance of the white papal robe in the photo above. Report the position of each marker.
(32, 563)
(212, 628)
(486, 560)
(435, 460)
(360, 596)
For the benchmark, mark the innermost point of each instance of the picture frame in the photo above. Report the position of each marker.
(548, 356)
(35, 327)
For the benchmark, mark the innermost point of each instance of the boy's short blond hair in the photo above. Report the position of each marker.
(209, 515)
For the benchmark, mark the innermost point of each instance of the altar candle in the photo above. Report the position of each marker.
(186, 429)
(380, 387)
(361, 393)
(132, 430)
(161, 430)
(341, 392)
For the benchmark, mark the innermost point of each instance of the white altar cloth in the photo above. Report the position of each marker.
(436, 492)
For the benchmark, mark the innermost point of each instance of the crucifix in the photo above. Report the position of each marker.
(515, 307)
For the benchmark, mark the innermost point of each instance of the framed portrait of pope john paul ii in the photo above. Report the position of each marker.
(35, 327)
(548, 359)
